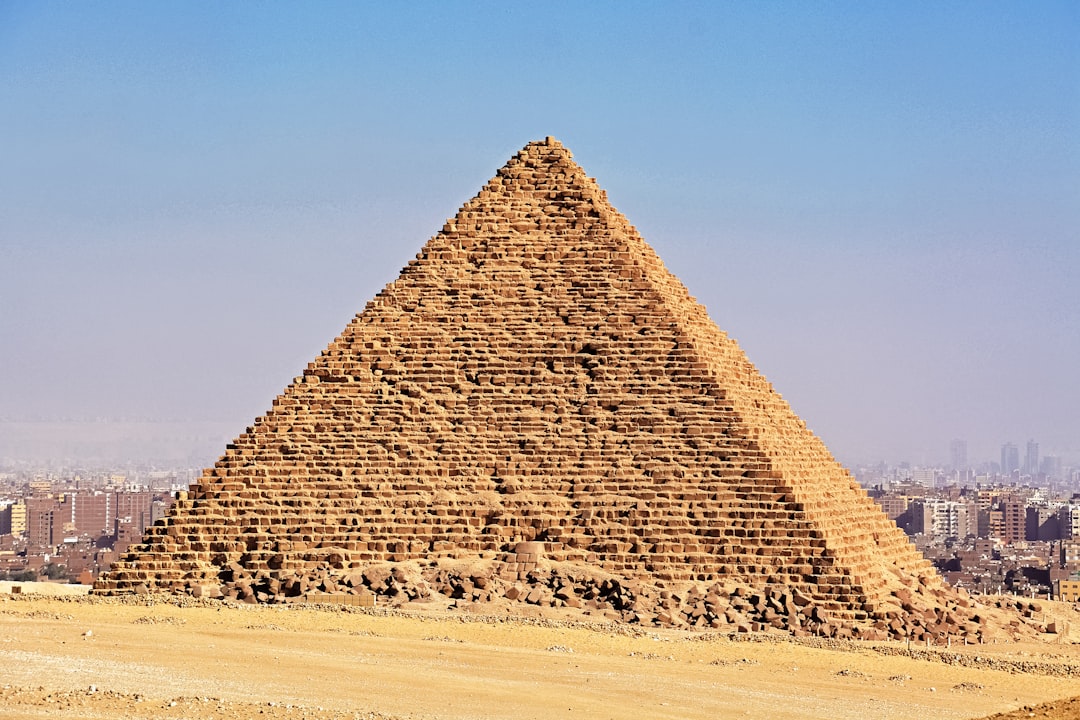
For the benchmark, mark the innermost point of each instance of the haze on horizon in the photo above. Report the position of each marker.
(881, 203)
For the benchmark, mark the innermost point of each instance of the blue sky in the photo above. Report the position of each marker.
(880, 201)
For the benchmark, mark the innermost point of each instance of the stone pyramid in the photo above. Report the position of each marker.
(537, 391)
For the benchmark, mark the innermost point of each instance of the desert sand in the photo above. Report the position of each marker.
(150, 657)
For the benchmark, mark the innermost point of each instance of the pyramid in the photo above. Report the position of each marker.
(537, 396)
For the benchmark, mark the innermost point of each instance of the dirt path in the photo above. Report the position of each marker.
(81, 659)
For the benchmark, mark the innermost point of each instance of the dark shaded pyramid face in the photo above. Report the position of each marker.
(534, 392)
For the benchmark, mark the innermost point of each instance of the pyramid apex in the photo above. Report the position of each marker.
(548, 143)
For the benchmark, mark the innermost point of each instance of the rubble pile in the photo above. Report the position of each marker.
(925, 614)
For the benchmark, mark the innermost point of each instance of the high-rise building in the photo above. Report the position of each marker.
(958, 452)
(893, 505)
(95, 513)
(18, 518)
(90, 514)
(42, 530)
(1050, 466)
(1015, 521)
(941, 518)
(135, 508)
(1042, 523)
(1031, 458)
(1010, 459)
(40, 488)
(927, 477)
(1069, 521)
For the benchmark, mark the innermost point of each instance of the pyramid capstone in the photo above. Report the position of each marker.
(537, 403)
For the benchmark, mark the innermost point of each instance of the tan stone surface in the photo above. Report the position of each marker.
(159, 661)
(536, 375)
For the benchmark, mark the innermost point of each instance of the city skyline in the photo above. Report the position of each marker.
(879, 204)
(173, 444)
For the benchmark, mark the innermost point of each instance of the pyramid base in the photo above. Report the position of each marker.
(523, 583)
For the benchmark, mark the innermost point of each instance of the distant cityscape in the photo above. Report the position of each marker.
(71, 525)
(1006, 526)
(1047, 471)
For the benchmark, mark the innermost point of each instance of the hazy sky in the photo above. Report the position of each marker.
(879, 201)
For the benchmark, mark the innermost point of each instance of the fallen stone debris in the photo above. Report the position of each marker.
(929, 616)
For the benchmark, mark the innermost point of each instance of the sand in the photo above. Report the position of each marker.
(77, 657)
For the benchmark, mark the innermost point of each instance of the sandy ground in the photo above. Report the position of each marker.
(76, 658)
